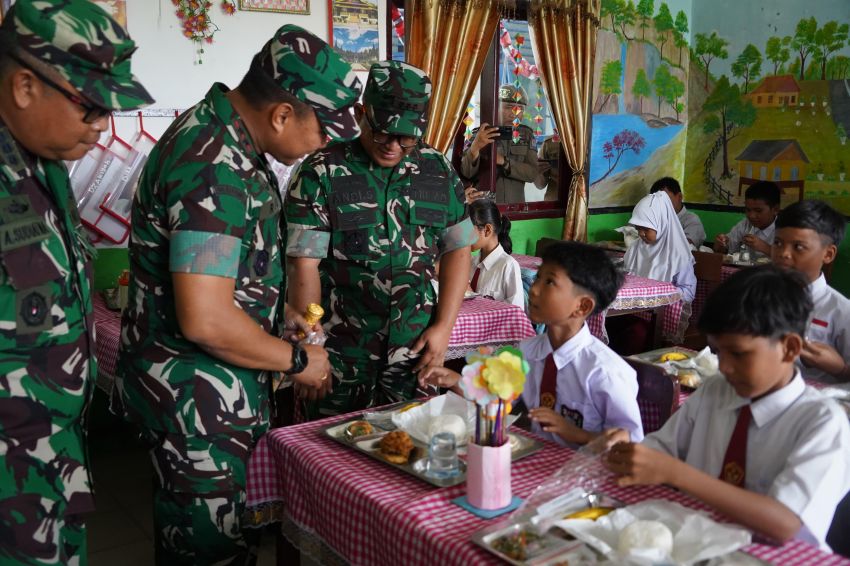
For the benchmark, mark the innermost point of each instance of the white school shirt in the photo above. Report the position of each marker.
(829, 324)
(500, 277)
(742, 228)
(692, 226)
(798, 446)
(595, 389)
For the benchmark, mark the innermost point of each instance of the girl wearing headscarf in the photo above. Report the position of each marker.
(662, 253)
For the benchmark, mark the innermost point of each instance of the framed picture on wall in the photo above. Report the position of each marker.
(280, 6)
(353, 30)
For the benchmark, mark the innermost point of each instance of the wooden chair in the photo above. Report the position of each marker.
(658, 394)
(707, 270)
(542, 244)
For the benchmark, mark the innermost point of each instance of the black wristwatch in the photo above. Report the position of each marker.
(299, 360)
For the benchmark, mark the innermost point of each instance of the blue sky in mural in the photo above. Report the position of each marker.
(606, 126)
(741, 23)
(355, 39)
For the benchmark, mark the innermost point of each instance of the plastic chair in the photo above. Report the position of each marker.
(658, 394)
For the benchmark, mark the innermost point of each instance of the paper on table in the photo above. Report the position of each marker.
(695, 536)
(417, 421)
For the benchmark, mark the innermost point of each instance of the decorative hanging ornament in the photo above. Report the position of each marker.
(538, 118)
(194, 15)
(468, 120)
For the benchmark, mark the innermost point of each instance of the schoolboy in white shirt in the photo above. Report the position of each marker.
(691, 224)
(587, 389)
(758, 445)
(807, 237)
(761, 205)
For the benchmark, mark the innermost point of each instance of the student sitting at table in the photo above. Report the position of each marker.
(807, 237)
(761, 205)
(757, 445)
(662, 253)
(494, 272)
(576, 388)
(691, 224)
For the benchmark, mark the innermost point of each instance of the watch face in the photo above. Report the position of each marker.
(302, 357)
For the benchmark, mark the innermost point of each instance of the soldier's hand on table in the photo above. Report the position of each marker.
(433, 344)
(438, 376)
(823, 357)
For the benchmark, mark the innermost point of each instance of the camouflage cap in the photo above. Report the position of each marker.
(396, 98)
(508, 93)
(307, 67)
(83, 44)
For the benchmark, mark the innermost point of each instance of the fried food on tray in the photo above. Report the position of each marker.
(673, 357)
(396, 447)
(359, 428)
(689, 378)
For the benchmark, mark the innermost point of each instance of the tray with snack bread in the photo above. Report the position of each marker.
(675, 360)
(374, 434)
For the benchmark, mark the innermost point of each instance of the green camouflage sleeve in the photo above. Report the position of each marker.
(207, 224)
(307, 218)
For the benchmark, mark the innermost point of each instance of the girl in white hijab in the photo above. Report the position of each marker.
(662, 253)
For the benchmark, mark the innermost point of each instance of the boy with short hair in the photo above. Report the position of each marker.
(576, 388)
(807, 237)
(761, 205)
(691, 224)
(758, 445)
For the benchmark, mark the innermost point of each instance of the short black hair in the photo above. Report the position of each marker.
(668, 183)
(759, 301)
(768, 191)
(588, 267)
(814, 215)
(260, 90)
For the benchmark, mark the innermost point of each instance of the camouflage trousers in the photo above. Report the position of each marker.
(200, 498)
(362, 383)
(56, 541)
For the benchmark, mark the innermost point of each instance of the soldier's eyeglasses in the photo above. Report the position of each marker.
(93, 112)
(383, 138)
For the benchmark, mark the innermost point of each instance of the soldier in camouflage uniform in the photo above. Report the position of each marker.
(517, 162)
(64, 65)
(367, 220)
(199, 336)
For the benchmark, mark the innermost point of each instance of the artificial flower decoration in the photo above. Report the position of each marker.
(473, 385)
(504, 375)
(195, 19)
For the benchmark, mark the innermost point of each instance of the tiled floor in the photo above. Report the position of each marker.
(120, 531)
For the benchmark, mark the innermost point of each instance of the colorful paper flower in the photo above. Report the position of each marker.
(473, 385)
(504, 375)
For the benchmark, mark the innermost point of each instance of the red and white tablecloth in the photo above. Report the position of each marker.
(370, 513)
(636, 293)
(485, 322)
(107, 333)
(701, 293)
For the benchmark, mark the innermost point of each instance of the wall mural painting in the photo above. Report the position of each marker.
(736, 104)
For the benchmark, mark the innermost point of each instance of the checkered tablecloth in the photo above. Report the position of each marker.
(485, 322)
(107, 324)
(701, 293)
(636, 293)
(370, 513)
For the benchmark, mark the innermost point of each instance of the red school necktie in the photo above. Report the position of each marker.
(474, 283)
(734, 468)
(549, 383)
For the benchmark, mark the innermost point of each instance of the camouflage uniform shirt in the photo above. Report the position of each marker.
(378, 232)
(46, 340)
(207, 204)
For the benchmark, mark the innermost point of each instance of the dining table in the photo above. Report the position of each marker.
(342, 507)
(638, 295)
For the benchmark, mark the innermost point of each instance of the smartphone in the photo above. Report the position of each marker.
(506, 132)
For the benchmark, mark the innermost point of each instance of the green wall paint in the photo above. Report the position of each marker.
(525, 233)
(108, 266)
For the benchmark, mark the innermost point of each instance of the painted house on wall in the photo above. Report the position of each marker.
(775, 92)
(782, 161)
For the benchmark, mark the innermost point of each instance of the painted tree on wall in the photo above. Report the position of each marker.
(708, 48)
(645, 9)
(729, 112)
(803, 41)
(748, 65)
(641, 87)
(663, 21)
(627, 17)
(776, 51)
(829, 39)
(838, 67)
(610, 8)
(680, 33)
(668, 88)
(626, 140)
(612, 73)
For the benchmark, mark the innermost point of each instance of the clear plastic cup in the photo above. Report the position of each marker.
(442, 456)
